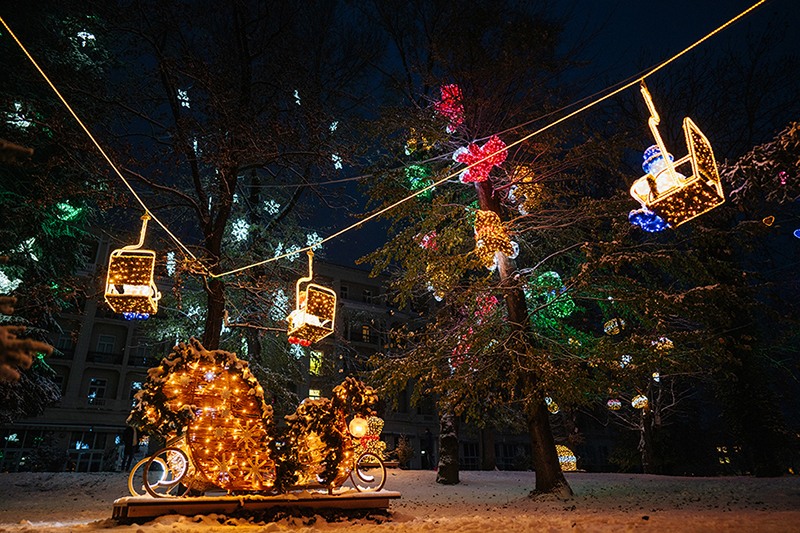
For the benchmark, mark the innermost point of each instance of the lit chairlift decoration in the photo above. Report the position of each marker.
(668, 198)
(314, 317)
(130, 288)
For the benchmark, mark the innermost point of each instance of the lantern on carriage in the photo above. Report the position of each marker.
(669, 198)
(130, 288)
(315, 312)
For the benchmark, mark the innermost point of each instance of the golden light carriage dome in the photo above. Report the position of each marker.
(130, 287)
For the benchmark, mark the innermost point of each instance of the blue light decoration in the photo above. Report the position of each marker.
(135, 316)
(647, 220)
(797, 233)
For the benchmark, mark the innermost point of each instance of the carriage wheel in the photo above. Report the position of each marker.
(138, 469)
(370, 473)
(167, 475)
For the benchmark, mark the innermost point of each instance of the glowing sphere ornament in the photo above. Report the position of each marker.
(358, 427)
(566, 459)
(639, 402)
(552, 406)
(614, 326)
(491, 154)
(666, 192)
(491, 239)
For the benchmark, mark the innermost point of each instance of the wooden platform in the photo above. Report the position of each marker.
(145, 507)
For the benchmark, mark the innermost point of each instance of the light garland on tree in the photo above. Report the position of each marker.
(667, 197)
(491, 238)
(451, 107)
(315, 315)
(470, 155)
(613, 326)
(552, 406)
(130, 286)
(210, 407)
(548, 290)
(527, 192)
(639, 402)
(614, 404)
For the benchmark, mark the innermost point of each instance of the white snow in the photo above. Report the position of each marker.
(486, 502)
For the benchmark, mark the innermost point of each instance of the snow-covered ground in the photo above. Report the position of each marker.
(485, 502)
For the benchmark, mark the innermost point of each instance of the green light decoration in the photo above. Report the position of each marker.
(68, 212)
(418, 178)
(549, 290)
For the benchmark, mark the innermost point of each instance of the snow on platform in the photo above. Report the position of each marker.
(139, 507)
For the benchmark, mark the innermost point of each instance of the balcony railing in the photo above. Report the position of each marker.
(64, 353)
(104, 358)
(139, 360)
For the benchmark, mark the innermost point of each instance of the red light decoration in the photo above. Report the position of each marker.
(494, 147)
(451, 106)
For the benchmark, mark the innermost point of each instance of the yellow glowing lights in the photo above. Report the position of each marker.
(527, 191)
(639, 402)
(614, 326)
(491, 238)
(358, 427)
(552, 406)
(769, 221)
(314, 317)
(566, 459)
(130, 286)
(669, 194)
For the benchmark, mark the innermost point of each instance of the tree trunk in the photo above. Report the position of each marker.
(447, 474)
(648, 467)
(215, 314)
(549, 477)
(488, 458)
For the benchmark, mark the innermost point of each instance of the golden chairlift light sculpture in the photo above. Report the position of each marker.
(130, 288)
(668, 198)
(315, 314)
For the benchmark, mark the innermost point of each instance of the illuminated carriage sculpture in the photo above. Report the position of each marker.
(222, 435)
(668, 198)
(130, 288)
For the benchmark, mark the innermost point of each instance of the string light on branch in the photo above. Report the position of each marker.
(613, 326)
(491, 238)
(768, 221)
(451, 107)
(314, 317)
(666, 194)
(130, 285)
(549, 291)
(494, 147)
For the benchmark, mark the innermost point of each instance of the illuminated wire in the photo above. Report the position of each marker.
(515, 143)
(634, 81)
(82, 125)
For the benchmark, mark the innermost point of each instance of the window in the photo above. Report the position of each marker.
(365, 333)
(366, 296)
(143, 351)
(470, 456)
(136, 386)
(344, 292)
(314, 394)
(97, 392)
(59, 380)
(315, 362)
(105, 343)
(65, 343)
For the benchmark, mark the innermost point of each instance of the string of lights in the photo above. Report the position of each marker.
(487, 157)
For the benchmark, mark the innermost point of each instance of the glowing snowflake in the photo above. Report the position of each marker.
(271, 207)
(240, 230)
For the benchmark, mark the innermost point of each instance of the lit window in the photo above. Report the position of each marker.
(315, 362)
(314, 394)
(97, 392)
(365, 333)
(343, 292)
